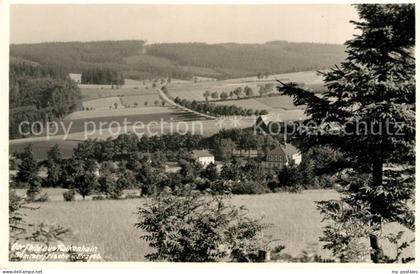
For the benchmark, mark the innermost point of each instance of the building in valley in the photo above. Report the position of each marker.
(76, 77)
(282, 156)
(204, 157)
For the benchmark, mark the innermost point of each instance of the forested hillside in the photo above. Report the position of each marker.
(136, 60)
(239, 60)
(38, 93)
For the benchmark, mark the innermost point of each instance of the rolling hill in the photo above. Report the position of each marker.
(138, 60)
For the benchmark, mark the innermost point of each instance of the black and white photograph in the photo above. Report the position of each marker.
(212, 133)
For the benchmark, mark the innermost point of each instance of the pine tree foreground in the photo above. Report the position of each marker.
(368, 114)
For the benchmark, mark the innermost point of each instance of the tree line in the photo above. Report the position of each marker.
(239, 92)
(109, 166)
(218, 110)
(97, 76)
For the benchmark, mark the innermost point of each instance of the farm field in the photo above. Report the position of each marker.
(307, 77)
(89, 124)
(109, 224)
(95, 93)
(89, 92)
(103, 98)
(194, 91)
(245, 103)
(103, 103)
(117, 112)
(141, 100)
(278, 102)
(278, 115)
(186, 123)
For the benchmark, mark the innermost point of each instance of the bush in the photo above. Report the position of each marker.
(292, 189)
(249, 187)
(132, 195)
(220, 187)
(69, 195)
(42, 198)
(199, 229)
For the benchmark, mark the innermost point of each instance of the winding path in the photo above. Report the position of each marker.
(172, 103)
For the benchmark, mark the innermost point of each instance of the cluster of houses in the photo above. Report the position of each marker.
(275, 159)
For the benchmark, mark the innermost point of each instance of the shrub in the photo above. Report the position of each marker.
(69, 195)
(196, 228)
(249, 187)
(42, 198)
(132, 195)
(219, 187)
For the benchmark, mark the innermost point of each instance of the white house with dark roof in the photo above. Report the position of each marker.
(293, 154)
(204, 157)
(282, 156)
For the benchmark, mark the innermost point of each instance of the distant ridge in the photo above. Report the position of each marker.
(138, 60)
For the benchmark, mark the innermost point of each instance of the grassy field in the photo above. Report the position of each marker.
(245, 103)
(194, 91)
(77, 115)
(109, 225)
(132, 87)
(277, 102)
(103, 103)
(131, 100)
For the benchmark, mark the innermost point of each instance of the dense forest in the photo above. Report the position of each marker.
(38, 93)
(102, 77)
(136, 60)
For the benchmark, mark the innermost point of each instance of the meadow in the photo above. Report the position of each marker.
(82, 114)
(103, 103)
(109, 224)
(275, 104)
(141, 100)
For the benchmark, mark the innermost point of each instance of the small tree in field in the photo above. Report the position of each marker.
(224, 95)
(368, 114)
(214, 95)
(198, 229)
(28, 173)
(54, 166)
(206, 95)
(85, 184)
(238, 92)
(248, 91)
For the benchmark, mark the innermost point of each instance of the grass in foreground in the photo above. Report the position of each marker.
(109, 224)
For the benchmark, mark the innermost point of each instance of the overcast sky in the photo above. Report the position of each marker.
(187, 23)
